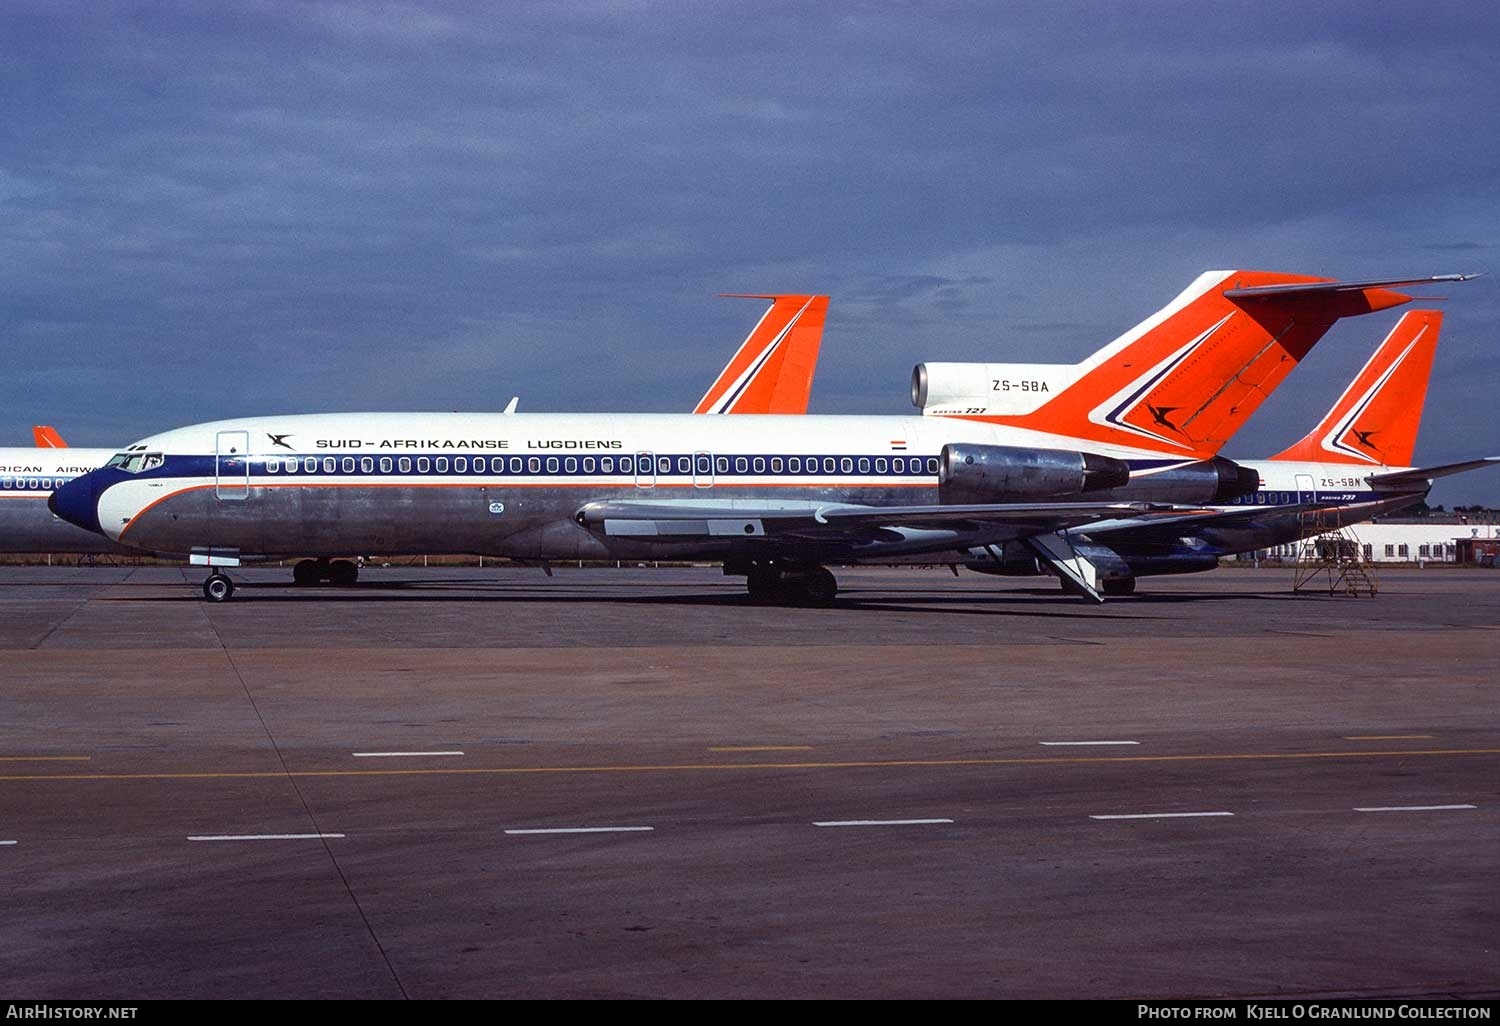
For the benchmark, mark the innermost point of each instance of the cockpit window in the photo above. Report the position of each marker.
(135, 462)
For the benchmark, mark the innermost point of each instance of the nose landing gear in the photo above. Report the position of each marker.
(218, 588)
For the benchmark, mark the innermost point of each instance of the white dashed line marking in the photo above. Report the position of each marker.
(1413, 808)
(878, 822)
(398, 755)
(586, 830)
(261, 837)
(1165, 815)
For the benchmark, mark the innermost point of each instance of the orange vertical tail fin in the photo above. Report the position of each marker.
(1188, 377)
(772, 371)
(47, 437)
(1375, 421)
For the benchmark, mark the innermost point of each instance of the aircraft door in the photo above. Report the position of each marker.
(703, 470)
(1306, 491)
(232, 465)
(645, 470)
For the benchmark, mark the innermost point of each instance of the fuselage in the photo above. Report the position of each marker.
(27, 477)
(505, 485)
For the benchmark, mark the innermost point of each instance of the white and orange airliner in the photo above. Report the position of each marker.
(772, 497)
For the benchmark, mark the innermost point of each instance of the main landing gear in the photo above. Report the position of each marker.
(341, 573)
(771, 585)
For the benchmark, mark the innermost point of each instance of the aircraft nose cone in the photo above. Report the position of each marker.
(77, 503)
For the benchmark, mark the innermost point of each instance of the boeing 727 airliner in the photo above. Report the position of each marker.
(773, 498)
(1356, 464)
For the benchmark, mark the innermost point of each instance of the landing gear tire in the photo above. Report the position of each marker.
(764, 585)
(819, 586)
(342, 573)
(1119, 586)
(218, 588)
(306, 572)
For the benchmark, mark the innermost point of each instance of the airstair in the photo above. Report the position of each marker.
(1330, 552)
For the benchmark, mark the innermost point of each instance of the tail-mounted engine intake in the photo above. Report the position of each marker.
(1007, 473)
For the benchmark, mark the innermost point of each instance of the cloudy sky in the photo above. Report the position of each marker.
(209, 210)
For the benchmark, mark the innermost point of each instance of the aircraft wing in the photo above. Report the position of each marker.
(1418, 479)
(1171, 524)
(668, 520)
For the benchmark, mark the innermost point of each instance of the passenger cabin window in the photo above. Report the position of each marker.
(880, 465)
(721, 464)
(329, 465)
(898, 465)
(846, 464)
(273, 465)
(627, 464)
(588, 464)
(741, 465)
(551, 464)
(534, 465)
(348, 464)
(794, 464)
(664, 465)
(932, 464)
(864, 464)
(776, 464)
(515, 464)
(828, 465)
(760, 464)
(366, 465)
(460, 464)
(404, 464)
(570, 465)
(440, 464)
(423, 464)
(607, 464)
(684, 465)
(497, 464)
(385, 464)
(705, 465)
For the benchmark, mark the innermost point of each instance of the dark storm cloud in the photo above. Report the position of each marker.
(217, 209)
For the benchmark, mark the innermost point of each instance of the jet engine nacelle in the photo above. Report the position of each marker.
(1202, 482)
(987, 388)
(1008, 473)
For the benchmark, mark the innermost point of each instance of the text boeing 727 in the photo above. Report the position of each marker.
(771, 497)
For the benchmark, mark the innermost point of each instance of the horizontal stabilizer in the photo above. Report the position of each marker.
(1326, 287)
(1417, 479)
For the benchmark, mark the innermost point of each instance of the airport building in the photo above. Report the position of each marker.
(1471, 540)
